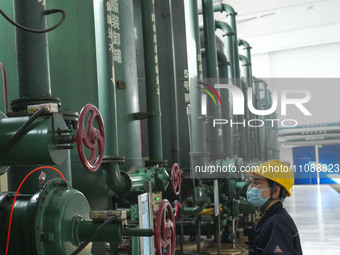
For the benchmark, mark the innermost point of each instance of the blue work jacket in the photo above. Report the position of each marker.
(275, 233)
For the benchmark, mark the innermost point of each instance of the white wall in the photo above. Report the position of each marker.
(317, 61)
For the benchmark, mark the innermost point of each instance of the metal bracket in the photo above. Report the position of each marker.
(142, 115)
(103, 215)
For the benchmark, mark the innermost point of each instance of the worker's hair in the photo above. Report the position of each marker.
(283, 193)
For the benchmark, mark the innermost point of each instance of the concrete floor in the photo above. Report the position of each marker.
(316, 212)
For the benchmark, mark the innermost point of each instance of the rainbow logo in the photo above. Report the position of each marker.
(209, 93)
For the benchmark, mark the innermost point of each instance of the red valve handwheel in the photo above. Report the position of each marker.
(165, 229)
(92, 138)
(178, 210)
(176, 179)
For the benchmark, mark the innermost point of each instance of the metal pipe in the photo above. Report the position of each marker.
(266, 132)
(231, 147)
(209, 38)
(257, 133)
(198, 127)
(152, 81)
(193, 210)
(174, 67)
(246, 64)
(4, 84)
(137, 232)
(231, 15)
(111, 233)
(248, 83)
(216, 147)
(232, 21)
(118, 183)
(247, 48)
(226, 129)
(228, 48)
(198, 130)
(225, 111)
(32, 50)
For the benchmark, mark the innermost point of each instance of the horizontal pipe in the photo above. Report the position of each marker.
(137, 232)
(193, 210)
(111, 233)
(211, 211)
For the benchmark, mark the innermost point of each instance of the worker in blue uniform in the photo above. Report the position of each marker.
(276, 232)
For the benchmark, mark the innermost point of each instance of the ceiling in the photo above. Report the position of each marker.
(273, 25)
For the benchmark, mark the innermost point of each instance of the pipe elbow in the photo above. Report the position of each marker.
(118, 182)
(224, 27)
(244, 60)
(244, 43)
(228, 9)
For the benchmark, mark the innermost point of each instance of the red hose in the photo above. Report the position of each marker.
(16, 194)
(4, 82)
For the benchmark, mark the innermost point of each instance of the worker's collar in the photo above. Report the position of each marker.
(269, 204)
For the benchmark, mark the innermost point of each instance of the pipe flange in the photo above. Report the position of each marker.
(6, 198)
(71, 118)
(114, 159)
(21, 104)
(159, 163)
(198, 154)
(228, 33)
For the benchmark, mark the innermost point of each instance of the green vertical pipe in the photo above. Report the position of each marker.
(247, 48)
(174, 67)
(266, 140)
(263, 131)
(209, 38)
(152, 81)
(198, 128)
(228, 48)
(257, 105)
(273, 132)
(247, 71)
(230, 29)
(216, 150)
(126, 71)
(246, 64)
(247, 61)
(32, 50)
(232, 22)
(229, 53)
(108, 100)
(106, 80)
(250, 134)
(135, 239)
(226, 129)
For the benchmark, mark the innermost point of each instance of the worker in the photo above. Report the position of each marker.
(276, 232)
